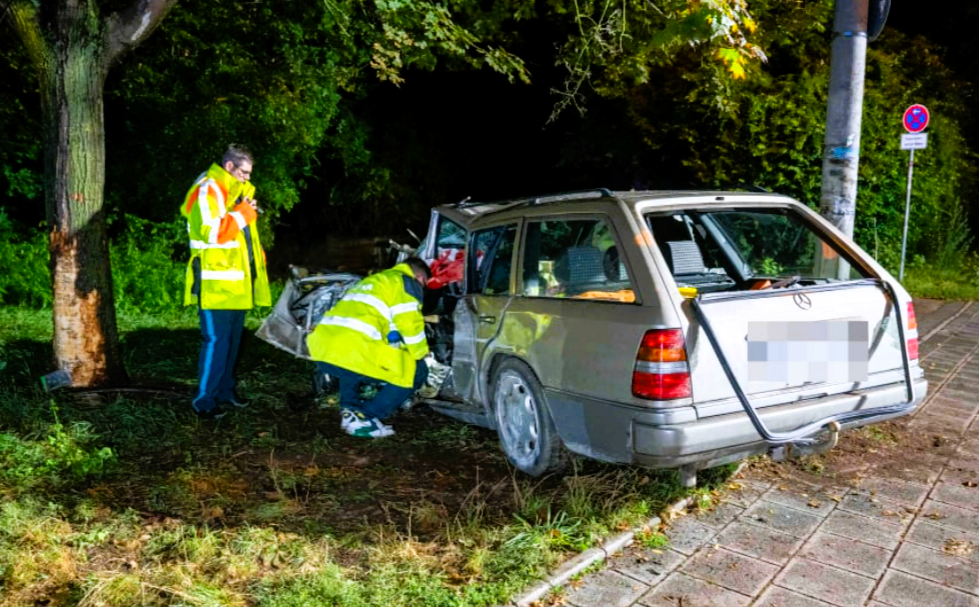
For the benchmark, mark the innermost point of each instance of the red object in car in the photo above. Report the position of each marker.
(449, 267)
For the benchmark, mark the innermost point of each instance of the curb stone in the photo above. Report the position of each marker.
(589, 557)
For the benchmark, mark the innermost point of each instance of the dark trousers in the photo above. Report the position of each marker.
(221, 332)
(388, 398)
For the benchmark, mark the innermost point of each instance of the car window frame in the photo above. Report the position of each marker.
(470, 273)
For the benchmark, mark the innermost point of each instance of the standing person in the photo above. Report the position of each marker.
(375, 333)
(226, 275)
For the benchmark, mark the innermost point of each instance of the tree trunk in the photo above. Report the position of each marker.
(72, 47)
(86, 341)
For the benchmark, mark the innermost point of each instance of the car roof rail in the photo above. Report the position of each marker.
(575, 195)
(533, 200)
(758, 188)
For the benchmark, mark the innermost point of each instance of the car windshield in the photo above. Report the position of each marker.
(736, 249)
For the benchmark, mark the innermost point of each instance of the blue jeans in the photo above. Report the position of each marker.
(221, 332)
(388, 398)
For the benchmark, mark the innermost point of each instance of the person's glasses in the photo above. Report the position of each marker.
(243, 172)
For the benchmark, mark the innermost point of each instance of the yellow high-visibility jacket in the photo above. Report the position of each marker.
(353, 335)
(217, 240)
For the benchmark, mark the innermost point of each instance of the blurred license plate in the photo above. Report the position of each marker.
(826, 351)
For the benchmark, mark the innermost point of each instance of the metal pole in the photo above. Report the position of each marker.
(907, 212)
(841, 151)
(844, 112)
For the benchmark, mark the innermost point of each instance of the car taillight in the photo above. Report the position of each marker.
(912, 333)
(661, 371)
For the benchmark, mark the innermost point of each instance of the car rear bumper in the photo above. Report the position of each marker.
(723, 438)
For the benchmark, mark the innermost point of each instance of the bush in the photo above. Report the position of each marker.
(146, 273)
(26, 279)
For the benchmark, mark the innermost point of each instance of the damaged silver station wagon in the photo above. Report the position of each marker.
(666, 329)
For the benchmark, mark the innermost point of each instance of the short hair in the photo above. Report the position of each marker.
(419, 267)
(236, 154)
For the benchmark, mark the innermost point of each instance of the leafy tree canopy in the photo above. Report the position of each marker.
(770, 129)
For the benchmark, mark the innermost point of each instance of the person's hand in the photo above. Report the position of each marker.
(247, 210)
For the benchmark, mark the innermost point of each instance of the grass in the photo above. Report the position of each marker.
(126, 498)
(936, 283)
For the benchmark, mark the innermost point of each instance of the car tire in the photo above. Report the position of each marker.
(523, 421)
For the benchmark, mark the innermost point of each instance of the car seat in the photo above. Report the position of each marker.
(580, 267)
(686, 258)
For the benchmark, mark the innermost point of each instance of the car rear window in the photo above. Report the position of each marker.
(741, 249)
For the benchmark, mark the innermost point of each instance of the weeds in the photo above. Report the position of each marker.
(62, 455)
(878, 435)
(653, 540)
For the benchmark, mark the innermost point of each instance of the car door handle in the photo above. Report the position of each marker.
(487, 319)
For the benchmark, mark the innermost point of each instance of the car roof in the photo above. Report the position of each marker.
(469, 212)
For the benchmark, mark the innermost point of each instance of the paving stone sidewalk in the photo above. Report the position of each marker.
(899, 538)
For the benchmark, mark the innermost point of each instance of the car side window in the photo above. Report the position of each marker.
(492, 259)
(575, 259)
(448, 265)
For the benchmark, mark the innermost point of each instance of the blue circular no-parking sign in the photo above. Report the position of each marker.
(916, 118)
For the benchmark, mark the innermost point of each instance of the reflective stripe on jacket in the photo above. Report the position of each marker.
(354, 333)
(218, 241)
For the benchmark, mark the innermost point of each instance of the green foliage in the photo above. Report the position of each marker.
(554, 530)
(769, 130)
(20, 175)
(274, 79)
(651, 540)
(145, 273)
(26, 279)
(612, 46)
(957, 281)
(147, 269)
(60, 456)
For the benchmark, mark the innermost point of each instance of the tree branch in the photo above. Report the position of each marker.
(128, 30)
(27, 24)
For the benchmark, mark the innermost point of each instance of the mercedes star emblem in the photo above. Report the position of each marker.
(802, 300)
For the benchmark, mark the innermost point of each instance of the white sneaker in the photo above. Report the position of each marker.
(347, 417)
(382, 429)
(368, 428)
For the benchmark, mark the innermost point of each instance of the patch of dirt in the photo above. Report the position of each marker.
(887, 450)
(310, 476)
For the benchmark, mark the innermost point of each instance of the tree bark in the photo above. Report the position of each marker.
(85, 337)
(72, 49)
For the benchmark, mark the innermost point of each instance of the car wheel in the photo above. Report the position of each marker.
(527, 433)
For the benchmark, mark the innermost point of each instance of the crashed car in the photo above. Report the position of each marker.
(664, 329)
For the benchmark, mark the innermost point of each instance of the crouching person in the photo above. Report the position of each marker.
(375, 333)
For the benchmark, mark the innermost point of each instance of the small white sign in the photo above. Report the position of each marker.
(914, 141)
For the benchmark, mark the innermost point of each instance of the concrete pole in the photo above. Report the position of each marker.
(841, 150)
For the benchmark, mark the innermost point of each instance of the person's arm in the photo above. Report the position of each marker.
(242, 215)
(218, 228)
(409, 320)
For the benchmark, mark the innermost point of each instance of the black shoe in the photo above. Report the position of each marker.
(215, 412)
(237, 400)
